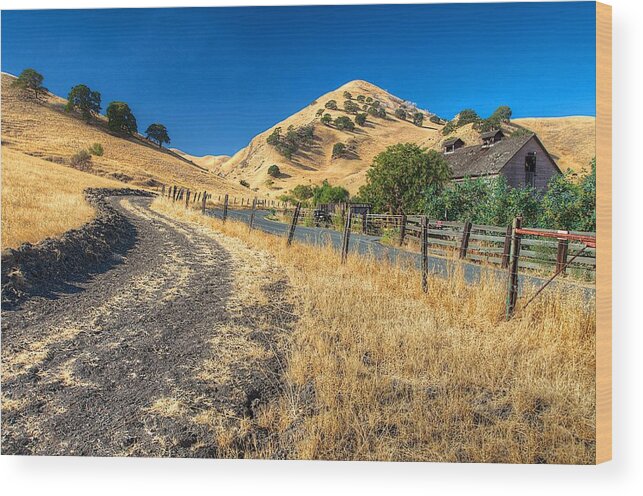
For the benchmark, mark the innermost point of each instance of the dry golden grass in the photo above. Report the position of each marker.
(41, 199)
(572, 140)
(378, 370)
(211, 162)
(44, 129)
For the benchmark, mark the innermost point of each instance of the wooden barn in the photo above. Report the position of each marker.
(522, 160)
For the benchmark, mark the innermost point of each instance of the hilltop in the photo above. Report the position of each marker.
(210, 162)
(44, 129)
(570, 140)
(314, 163)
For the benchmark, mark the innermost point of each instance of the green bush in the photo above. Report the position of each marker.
(338, 150)
(292, 141)
(273, 170)
(418, 119)
(96, 149)
(360, 119)
(400, 113)
(327, 119)
(351, 106)
(348, 95)
(331, 104)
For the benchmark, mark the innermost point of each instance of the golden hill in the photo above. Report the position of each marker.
(313, 164)
(570, 140)
(211, 162)
(43, 129)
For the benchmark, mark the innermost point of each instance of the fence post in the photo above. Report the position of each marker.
(424, 239)
(225, 207)
(512, 283)
(162, 189)
(402, 229)
(364, 225)
(252, 214)
(466, 234)
(506, 248)
(347, 234)
(293, 223)
(204, 198)
(187, 198)
(561, 254)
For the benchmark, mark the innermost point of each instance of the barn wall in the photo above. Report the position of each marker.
(514, 170)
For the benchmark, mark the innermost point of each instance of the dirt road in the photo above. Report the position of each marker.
(161, 355)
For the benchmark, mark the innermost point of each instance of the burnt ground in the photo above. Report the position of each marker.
(166, 353)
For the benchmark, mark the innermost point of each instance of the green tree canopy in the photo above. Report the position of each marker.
(157, 133)
(120, 118)
(84, 100)
(400, 113)
(31, 80)
(400, 176)
(360, 119)
(331, 104)
(274, 171)
(348, 95)
(502, 113)
(338, 150)
(326, 119)
(468, 116)
(344, 123)
(351, 106)
(302, 192)
(418, 119)
(329, 194)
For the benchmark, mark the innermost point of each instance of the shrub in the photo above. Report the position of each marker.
(244, 183)
(319, 112)
(418, 119)
(348, 95)
(467, 116)
(360, 119)
(449, 128)
(361, 98)
(344, 123)
(369, 99)
(81, 160)
(96, 149)
(331, 104)
(329, 194)
(327, 119)
(436, 120)
(338, 150)
(273, 170)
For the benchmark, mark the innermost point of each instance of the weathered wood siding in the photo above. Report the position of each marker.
(514, 169)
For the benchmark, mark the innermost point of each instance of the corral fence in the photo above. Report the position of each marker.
(515, 248)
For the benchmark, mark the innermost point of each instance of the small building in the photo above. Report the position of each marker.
(522, 160)
(451, 145)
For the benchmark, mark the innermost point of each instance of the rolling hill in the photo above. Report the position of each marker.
(314, 163)
(569, 139)
(44, 129)
(210, 162)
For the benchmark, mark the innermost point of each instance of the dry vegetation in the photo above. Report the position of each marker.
(41, 199)
(43, 129)
(377, 370)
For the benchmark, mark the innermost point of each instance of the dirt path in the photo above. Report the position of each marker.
(161, 355)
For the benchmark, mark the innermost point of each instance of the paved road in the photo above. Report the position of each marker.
(149, 358)
(370, 245)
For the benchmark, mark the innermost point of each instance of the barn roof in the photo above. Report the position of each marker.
(478, 160)
(451, 141)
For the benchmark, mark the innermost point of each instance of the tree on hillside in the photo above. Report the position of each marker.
(502, 113)
(338, 150)
(326, 119)
(120, 118)
(344, 123)
(351, 106)
(158, 133)
(467, 116)
(400, 113)
(360, 119)
(418, 119)
(302, 192)
(319, 112)
(361, 98)
(31, 80)
(400, 176)
(331, 104)
(348, 95)
(329, 194)
(83, 99)
(273, 170)
(369, 99)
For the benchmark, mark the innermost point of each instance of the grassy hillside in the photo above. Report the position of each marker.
(313, 164)
(212, 163)
(44, 129)
(571, 140)
(41, 199)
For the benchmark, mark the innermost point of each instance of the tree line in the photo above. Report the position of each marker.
(87, 102)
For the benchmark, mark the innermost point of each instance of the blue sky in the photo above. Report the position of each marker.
(218, 76)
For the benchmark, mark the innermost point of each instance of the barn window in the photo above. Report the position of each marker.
(530, 169)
